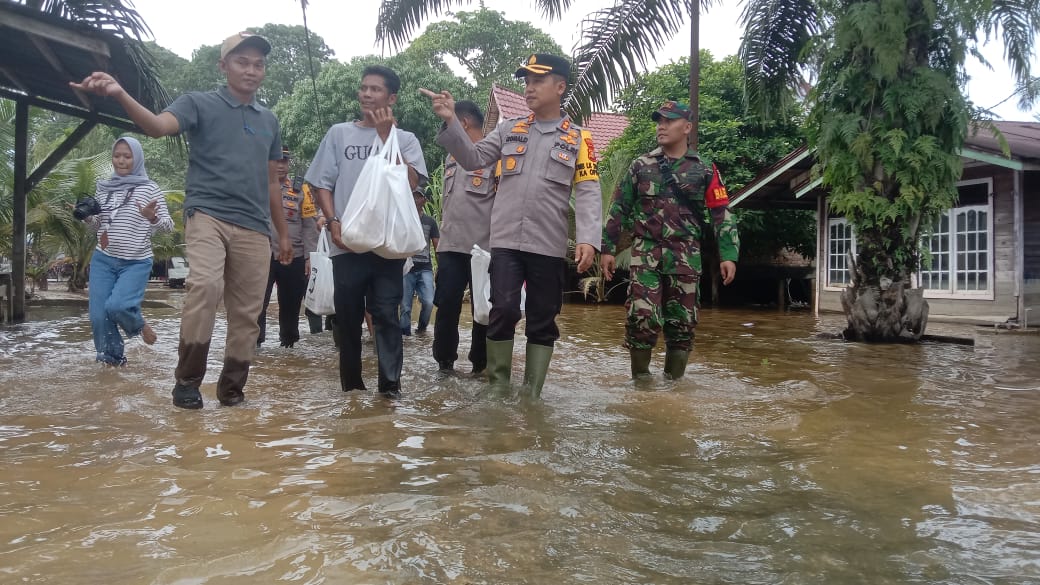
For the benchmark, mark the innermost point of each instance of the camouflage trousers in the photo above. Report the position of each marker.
(661, 301)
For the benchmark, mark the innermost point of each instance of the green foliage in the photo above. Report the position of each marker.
(740, 143)
(287, 64)
(889, 125)
(888, 117)
(338, 83)
(616, 45)
(486, 44)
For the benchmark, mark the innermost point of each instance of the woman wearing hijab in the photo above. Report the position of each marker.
(132, 210)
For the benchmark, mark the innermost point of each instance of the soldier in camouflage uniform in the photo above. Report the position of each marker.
(665, 200)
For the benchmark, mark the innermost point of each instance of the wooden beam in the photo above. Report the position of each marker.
(59, 153)
(54, 33)
(14, 79)
(21, 154)
(70, 110)
(41, 45)
(801, 192)
(992, 159)
(773, 175)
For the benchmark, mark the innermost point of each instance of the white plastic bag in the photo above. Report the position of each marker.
(321, 288)
(404, 235)
(364, 219)
(480, 295)
(380, 216)
(479, 266)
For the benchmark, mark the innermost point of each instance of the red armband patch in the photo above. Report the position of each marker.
(716, 195)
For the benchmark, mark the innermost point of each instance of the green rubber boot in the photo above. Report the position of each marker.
(675, 363)
(499, 363)
(640, 362)
(536, 367)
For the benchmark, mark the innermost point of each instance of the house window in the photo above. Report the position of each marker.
(960, 245)
(960, 251)
(840, 243)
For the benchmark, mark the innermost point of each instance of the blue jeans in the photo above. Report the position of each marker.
(116, 290)
(419, 282)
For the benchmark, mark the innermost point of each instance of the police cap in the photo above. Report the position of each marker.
(543, 64)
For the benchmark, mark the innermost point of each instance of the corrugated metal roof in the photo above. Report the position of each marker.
(1023, 139)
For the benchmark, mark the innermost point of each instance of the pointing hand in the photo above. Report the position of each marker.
(443, 103)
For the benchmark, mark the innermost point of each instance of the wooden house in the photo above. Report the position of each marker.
(985, 251)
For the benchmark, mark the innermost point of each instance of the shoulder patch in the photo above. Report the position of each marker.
(585, 169)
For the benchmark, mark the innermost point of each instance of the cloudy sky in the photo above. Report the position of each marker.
(348, 27)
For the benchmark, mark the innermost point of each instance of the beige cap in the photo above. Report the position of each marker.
(244, 39)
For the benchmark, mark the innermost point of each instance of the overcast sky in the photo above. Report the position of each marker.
(348, 27)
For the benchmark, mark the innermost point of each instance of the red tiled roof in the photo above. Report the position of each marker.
(504, 103)
(605, 127)
(510, 104)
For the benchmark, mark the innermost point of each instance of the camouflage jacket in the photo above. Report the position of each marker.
(666, 234)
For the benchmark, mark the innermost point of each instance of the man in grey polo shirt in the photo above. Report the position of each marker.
(232, 197)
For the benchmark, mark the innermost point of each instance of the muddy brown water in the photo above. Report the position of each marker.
(780, 459)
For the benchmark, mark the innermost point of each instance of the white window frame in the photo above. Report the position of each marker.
(831, 222)
(984, 294)
(987, 294)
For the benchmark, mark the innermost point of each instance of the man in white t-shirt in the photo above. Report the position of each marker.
(364, 280)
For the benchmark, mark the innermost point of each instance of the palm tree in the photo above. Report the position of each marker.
(54, 232)
(888, 119)
(617, 42)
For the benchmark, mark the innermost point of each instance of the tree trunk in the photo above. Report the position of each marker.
(895, 314)
(695, 72)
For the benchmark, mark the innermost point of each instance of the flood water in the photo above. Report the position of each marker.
(780, 459)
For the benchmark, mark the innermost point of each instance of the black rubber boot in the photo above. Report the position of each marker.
(187, 397)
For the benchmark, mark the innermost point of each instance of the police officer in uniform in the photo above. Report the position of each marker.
(544, 157)
(465, 221)
(664, 200)
(300, 218)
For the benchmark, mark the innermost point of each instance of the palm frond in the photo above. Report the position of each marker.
(553, 9)
(1019, 20)
(775, 36)
(617, 43)
(398, 19)
(119, 18)
(114, 16)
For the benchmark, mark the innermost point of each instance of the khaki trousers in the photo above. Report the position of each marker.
(226, 262)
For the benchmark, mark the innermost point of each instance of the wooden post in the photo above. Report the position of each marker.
(695, 72)
(21, 154)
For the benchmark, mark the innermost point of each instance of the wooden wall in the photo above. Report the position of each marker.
(1031, 242)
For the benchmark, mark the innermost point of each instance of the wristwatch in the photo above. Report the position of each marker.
(336, 219)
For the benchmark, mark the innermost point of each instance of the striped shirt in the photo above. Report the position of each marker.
(129, 233)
